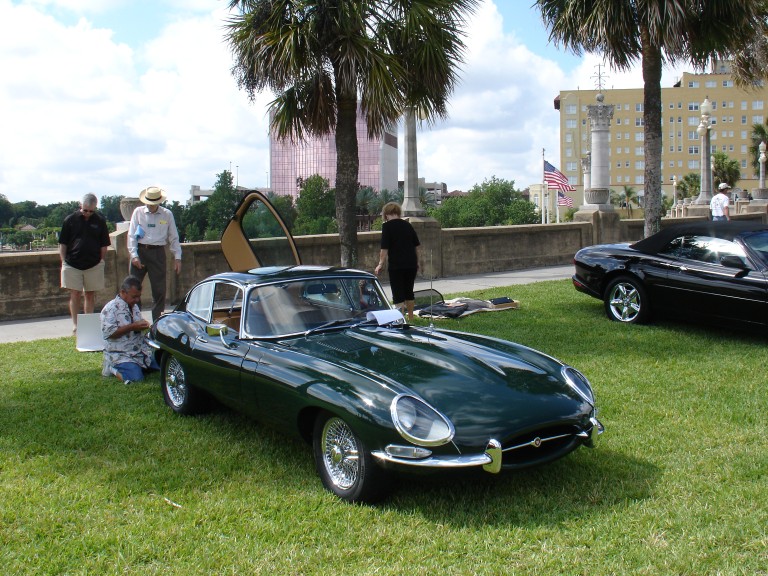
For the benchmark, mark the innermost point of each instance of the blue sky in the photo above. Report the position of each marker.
(110, 96)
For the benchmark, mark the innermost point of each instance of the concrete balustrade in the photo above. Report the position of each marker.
(29, 282)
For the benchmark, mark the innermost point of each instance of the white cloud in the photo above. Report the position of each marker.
(81, 113)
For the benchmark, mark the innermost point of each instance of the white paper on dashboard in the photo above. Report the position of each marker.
(386, 317)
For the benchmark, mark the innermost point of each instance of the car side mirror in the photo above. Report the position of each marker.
(220, 330)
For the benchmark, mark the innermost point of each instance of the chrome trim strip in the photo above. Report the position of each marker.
(538, 441)
(153, 344)
(439, 461)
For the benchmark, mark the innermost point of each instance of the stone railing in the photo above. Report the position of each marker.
(30, 282)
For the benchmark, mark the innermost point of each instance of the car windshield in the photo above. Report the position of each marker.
(759, 243)
(298, 306)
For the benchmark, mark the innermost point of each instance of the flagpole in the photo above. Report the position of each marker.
(543, 188)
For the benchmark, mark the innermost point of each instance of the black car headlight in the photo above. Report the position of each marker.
(579, 383)
(418, 422)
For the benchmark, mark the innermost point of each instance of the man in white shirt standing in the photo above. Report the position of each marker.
(152, 227)
(719, 203)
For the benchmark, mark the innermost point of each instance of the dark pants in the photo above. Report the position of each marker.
(401, 282)
(153, 261)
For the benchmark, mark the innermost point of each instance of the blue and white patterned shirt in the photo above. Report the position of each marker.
(130, 347)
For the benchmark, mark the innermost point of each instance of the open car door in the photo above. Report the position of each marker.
(256, 236)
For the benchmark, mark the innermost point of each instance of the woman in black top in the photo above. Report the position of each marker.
(399, 244)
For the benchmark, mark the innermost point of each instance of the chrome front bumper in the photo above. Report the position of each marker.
(490, 460)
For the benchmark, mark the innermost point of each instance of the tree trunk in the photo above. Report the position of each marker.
(652, 119)
(347, 164)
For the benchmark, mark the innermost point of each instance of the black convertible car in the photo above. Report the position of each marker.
(711, 271)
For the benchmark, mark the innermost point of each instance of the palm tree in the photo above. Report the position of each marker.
(654, 32)
(322, 59)
(630, 194)
(689, 186)
(759, 134)
(725, 169)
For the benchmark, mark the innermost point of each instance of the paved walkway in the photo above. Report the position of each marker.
(59, 326)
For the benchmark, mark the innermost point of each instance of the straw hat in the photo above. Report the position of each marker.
(152, 195)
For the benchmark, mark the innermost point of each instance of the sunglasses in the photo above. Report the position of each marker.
(84, 211)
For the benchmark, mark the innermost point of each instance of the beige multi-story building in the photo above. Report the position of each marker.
(734, 112)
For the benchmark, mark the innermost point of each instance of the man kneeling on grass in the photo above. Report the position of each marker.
(126, 351)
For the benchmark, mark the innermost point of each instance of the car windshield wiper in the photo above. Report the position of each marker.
(327, 325)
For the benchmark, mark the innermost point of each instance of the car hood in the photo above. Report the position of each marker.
(486, 387)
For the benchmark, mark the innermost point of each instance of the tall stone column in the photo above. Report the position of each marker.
(411, 203)
(600, 116)
(597, 208)
(586, 167)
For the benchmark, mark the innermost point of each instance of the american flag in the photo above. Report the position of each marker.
(563, 200)
(556, 179)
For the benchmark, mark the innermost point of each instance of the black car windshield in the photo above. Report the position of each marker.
(298, 306)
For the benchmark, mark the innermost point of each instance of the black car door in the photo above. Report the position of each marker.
(703, 287)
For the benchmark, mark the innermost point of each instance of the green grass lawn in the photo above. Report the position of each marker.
(101, 478)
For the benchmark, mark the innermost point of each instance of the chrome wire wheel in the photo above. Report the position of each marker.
(176, 383)
(340, 453)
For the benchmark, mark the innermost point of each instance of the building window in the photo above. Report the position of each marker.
(639, 122)
(693, 149)
(638, 107)
(568, 152)
(743, 148)
(757, 119)
(672, 148)
(743, 104)
(639, 151)
(639, 179)
(618, 150)
(693, 164)
(710, 84)
(693, 106)
(640, 165)
(727, 83)
(571, 109)
(693, 120)
(618, 136)
(639, 136)
(743, 163)
(743, 119)
(626, 164)
(571, 123)
(569, 137)
(693, 83)
(757, 105)
(692, 135)
(570, 167)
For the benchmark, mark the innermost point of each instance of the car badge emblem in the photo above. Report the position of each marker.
(536, 442)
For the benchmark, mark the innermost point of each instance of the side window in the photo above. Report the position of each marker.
(702, 248)
(227, 305)
(200, 300)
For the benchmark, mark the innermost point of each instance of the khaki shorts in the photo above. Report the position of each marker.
(89, 280)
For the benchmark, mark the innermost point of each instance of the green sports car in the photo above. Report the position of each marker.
(318, 351)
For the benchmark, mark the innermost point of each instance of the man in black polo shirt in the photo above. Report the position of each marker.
(83, 243)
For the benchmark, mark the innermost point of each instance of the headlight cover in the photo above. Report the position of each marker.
(418, 422)
(579, 383)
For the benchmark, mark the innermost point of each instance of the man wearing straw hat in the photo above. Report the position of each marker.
(152, 227)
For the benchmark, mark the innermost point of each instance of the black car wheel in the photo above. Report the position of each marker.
(344, 464)
(625, 301)
(177, 392)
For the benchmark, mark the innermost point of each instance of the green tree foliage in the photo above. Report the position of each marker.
(6, 211)
(194, 222)
(725, 169)
(689, 186)
(57, 213)
(315, 207)
(654, 32)
(323, 58)
(221, 204)
(759, 134)
(110, 208)
(284, 206)
(494, 202)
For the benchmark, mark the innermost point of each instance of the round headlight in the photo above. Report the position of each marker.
(419, 423)
(579, 383)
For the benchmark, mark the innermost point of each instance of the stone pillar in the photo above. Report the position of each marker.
(411, 204)
(586, 167)
(600, 116)
(430, 251)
